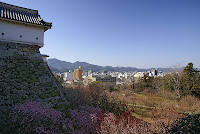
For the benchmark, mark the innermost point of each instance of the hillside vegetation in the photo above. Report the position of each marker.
(167, 104)
(159, 106)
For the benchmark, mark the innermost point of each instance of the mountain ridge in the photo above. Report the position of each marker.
(63, 66)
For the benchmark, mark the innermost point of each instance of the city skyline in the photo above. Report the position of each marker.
(139, 33)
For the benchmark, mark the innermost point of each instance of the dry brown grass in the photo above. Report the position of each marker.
(146, 105)
(159, 110)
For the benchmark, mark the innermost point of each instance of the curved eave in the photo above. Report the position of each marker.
(9, 6)
(30, 24)
(44, 55)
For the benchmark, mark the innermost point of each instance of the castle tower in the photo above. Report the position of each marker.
(22, 25)
(24, 75)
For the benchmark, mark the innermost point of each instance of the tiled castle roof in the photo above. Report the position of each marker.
(22, 15)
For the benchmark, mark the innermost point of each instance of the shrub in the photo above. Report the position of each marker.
(188, 124)
(124, 122)
(36, 117)
(84, 119)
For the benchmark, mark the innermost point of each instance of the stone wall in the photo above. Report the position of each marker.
(25, 77)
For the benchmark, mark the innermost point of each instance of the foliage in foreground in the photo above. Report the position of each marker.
(189, 124)
(162, 110)
(36, 117)
(39, 117)
(125, 122)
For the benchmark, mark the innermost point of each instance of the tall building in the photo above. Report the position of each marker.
(78, 74)
(68, 76)
(155, 72)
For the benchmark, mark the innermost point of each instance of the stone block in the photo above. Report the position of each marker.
(3, 47)
(24, 76)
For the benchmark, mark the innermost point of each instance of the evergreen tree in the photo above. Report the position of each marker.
(190, 78)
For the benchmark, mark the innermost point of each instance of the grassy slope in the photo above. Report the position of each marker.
(146, 105)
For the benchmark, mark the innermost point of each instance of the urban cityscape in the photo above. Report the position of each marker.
(113, 78)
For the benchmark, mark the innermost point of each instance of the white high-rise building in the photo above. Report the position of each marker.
(68, 76)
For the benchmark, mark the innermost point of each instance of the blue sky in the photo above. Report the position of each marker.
(135, 33)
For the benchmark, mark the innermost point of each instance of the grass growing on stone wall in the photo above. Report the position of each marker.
(24, 77)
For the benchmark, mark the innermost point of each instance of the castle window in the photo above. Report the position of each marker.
(36, 38)
(20, 36)
(2, 33)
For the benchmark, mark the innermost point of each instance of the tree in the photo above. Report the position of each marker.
(175, 80)
(60, 79)
(157, 83)
(189, 69)
(190, 78)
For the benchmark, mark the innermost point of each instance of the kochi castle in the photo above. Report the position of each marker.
(22, 25)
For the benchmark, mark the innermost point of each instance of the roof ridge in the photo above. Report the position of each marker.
(5, 5)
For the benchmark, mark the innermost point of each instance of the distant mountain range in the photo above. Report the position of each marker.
(63, 66)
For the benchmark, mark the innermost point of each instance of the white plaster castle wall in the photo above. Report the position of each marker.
(16, 32)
